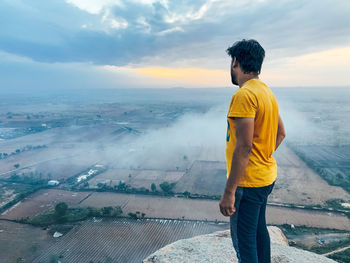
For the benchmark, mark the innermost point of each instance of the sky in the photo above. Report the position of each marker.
(164, 44)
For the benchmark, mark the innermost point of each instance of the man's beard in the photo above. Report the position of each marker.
(233, 78)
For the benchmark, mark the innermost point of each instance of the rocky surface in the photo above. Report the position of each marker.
(217, 248)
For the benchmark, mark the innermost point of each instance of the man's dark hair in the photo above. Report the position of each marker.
(249, 53)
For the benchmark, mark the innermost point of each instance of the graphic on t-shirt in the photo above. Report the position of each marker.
(228, 132)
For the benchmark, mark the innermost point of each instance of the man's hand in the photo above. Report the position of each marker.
(244, 133)
(227, 202)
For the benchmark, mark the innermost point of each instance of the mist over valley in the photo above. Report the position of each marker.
(156, 157)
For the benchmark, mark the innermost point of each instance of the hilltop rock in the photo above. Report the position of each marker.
(217, 248)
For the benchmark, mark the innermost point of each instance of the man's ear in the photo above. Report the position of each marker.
(234, 63)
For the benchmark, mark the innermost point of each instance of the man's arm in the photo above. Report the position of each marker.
(244, 141)
(281, 133)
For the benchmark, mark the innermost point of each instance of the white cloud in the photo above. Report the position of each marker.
(179, 17)
(93, 6)
(119, 23)
(113, 22)
(142, 22)
(170, 30)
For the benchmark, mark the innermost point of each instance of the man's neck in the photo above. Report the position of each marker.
(245, 78)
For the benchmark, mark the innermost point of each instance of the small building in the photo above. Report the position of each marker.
(57, 234)
(53, 182)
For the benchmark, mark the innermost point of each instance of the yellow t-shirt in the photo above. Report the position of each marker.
(254, 99)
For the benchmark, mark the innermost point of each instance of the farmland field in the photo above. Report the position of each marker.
(149, 137)
(60, 159)
(41, 201)
(203, 177)
(122, 240)
(158, 207)
(299, 184)
(301, 217)
(135, 178)
(331, 162)
(10, 191)
(197, 209)
(21, 242)
(293, 185)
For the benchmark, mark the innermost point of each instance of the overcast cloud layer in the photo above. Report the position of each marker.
(164, 33)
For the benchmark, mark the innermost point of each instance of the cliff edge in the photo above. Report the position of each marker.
(217, 248)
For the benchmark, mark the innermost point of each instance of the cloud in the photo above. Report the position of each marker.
(325, 68)
(22, 74)
(95, 31)
(169, 34)
(114, 22)
(93, 6)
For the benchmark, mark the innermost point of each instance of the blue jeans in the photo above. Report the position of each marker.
(249, 233)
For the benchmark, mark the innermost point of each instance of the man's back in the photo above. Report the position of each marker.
(255, 100)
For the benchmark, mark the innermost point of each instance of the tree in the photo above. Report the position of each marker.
(186, 193)
(339, 176)
(14, 177)
(121, 185)
(16, 165)
(153, 187)
(166, 187)
(117, 211)
(132, 215)
(61, 208)
(93, 211)
(107, 210)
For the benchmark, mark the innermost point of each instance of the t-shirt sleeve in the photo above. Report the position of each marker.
(243, 104)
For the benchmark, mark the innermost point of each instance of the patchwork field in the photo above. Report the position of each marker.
(197, 209)
(135, 178)
(299, 184)
(22, 242)
(158, 207)
(10, 191)
(41, 201)
(331, 162)
(296, 182)
(122, 240)
(152, 138)
(203, 177)
(301, 217)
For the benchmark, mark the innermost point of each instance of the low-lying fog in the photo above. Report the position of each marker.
(311, 116)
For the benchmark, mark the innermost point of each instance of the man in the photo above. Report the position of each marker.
(254, 132)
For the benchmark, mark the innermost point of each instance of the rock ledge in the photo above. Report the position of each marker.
(217, 248)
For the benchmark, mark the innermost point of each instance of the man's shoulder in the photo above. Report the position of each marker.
(257, 88)
(247, 90)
